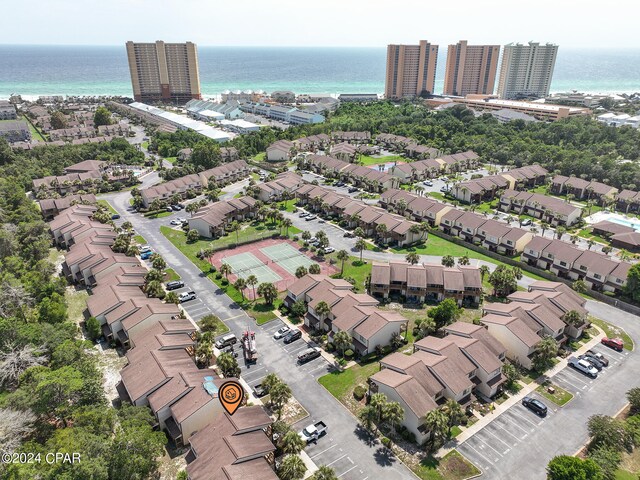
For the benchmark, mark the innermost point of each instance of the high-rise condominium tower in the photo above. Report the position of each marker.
(166, 72)
(526, 70)
(411, 70)
(471, 69)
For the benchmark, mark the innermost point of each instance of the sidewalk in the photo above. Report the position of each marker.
(526, 390)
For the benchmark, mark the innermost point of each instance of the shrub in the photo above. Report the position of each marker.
(213, 269)
(359, 392)
(93, 328)
(224, 282)
(333, 261)
(330, 347)
(295, 238)
(386, 442)
(408, 436)
(348, 353)
(218, 276)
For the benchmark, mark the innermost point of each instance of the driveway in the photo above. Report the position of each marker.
(273, 356)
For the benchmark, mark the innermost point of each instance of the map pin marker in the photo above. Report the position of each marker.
(231, 395)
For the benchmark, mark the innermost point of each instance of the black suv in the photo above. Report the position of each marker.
(536, 406)
(293, 336)
(175, 285)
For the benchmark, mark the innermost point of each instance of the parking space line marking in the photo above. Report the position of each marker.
(514, 423)
(523, 418)
(325, 450)
(344, 473)
(577, 376)
(480, 454)
(501, 427)
(500, 440)
(339, 458)
(562, 378)
(486, 444)
(259, 378)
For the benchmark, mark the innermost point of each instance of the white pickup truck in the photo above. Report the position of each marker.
(313, 432)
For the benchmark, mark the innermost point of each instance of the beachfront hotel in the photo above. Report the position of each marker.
(411, 70)
(164, 72)
(471, 69)
(526, 70)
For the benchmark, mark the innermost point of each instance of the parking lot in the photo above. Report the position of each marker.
(334, 453)
(500, 448)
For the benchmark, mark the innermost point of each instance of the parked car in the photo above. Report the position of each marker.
(428, 183)
(168, 209)
(526, 222)
(329, 249)
(145, 248)
(352, 189)
(444, 189)
(174, 285)
(339, 184)
(175, 222)
(303, 214)
(259, 390)
(444, 179)
(314, 241)
(308, 355)
(186, 296)
(281, 332)
(146, 255)
(115, 216)
(595, 363)
(182, 219)
(310, 217)
(226, 341)
(614, 343)
(175, 208)
(348, 235)
(313, 432)
(601, 358)
(535, 405)
(583, 367)
(292, 336)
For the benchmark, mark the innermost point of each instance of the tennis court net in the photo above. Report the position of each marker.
(278, 254)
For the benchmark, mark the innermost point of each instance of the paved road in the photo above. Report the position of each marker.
(367, 457)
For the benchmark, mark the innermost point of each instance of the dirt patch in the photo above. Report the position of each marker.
(292, 412)
(172, 463)
(110, 361)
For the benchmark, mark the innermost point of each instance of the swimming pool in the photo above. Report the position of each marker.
(627, 222)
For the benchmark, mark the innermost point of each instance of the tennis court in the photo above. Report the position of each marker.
(246, 264)
(287, 257)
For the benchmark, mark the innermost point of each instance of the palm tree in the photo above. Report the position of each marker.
(342, 340)
(269, 292)
(324, 473)
(291, 443)
(381, 231)
(437, 423)
(393, 414)
(235, 227)
(240, 285)
(367, 417)
(590, 243)
(225, 269)
(544, 226)
(361, 245)
(252, 281)
(286, 223)
(378, 402)
(359, 232)
(448, 261)
(412, 258)
(573, 318)
(343, 256)
(463, 260)
(484, 269)
(292, 468)
(454, 413)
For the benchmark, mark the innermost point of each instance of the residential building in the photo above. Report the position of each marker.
(312, 143)
(356, 314)
(485, 188)
(370, 179)
(51, 207)
(15, 131)
(619, 119)
(207, 110)
(164, 72)
(7, 111)
(358, 97)
(549, 209)
(471, 69)
(280, 151)
(411, 70)
(519, 337)
(237, 447)
(211, 221)
(539, 111)
(526, 70)
(583, 189)
(426, 282)
(284, 184)
(358, 138)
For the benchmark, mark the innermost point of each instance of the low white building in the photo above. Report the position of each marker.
(619, 119)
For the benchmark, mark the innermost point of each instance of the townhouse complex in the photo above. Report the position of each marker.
(196, 182)
(158, 339)
(354, 313)
(465, 362)
(211, 221)
(478, 190)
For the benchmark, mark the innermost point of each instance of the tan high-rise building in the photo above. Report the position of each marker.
(164, 72)
(471, 69)
(526, 70)
(411, 70)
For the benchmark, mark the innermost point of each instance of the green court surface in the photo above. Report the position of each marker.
(287, 257)
(246, 264)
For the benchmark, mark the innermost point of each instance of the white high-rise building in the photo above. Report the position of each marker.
(526, 70)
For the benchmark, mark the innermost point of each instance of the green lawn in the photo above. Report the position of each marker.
(35, 134)
(341, 384)
(171, 160)
(614, 332)
(452, 466)
(170, 275)
(76, 304)
(221, 327)
(145, 144)
(139, 239)
(368, 160)
(157, 214)
(560, 397)
(108, 206)
(438, 196)
(260, 157)
(630, 463)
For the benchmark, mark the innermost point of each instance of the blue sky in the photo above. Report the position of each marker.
(570, 23)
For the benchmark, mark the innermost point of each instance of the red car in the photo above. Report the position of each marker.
(614, 343)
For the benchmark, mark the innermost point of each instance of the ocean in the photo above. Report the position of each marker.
(103, 70)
